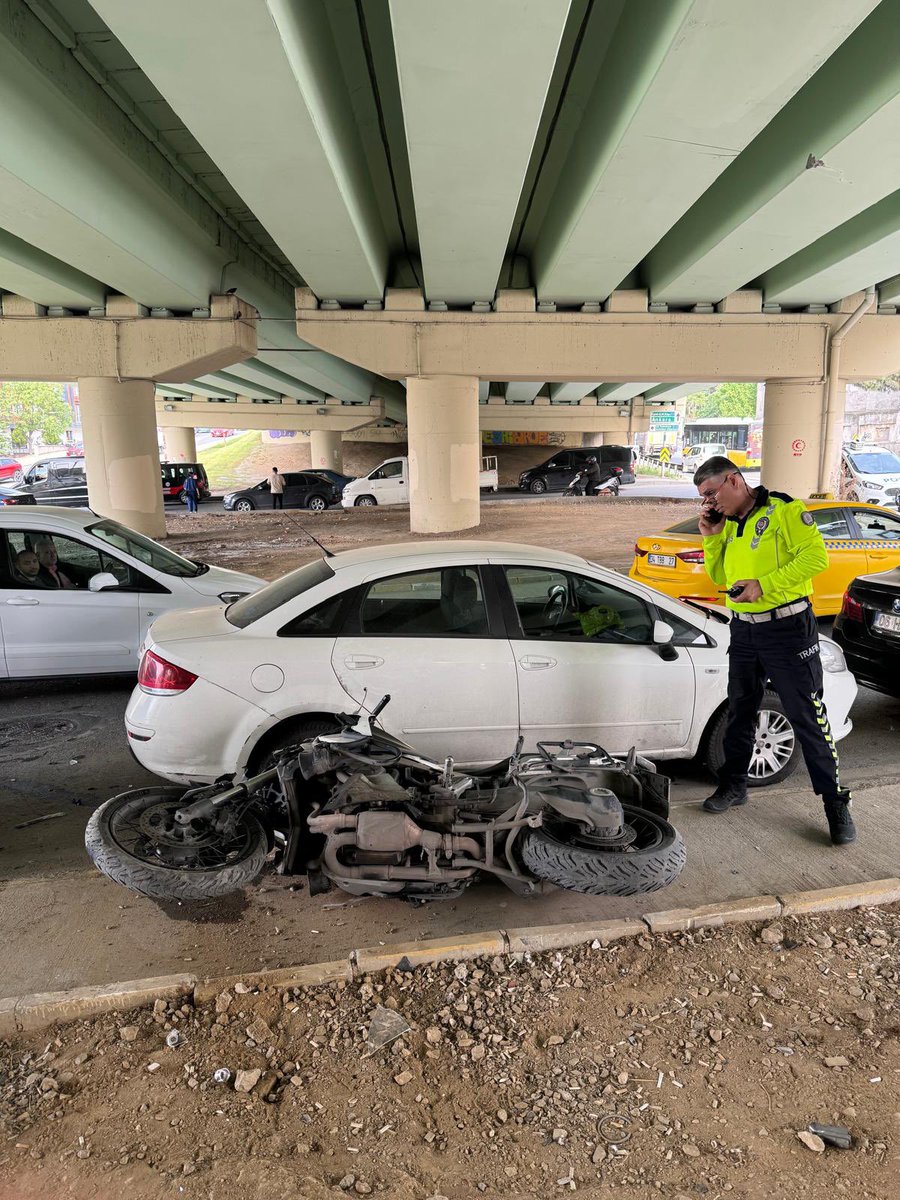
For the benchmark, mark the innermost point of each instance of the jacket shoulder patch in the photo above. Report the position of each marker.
(807, 518)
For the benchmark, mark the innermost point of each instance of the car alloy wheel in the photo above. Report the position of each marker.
(773, 745)
(366, 502)
(537, 487)
(317, 503)
(243, 506)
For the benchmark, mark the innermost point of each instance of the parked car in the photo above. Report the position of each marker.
(174, 475)
(57, 481)
(335, 477)
(560, 469)
(689, 458)
(870, 473)
(221, 433)
(868, 630)
(14, 495)
(10, 470)
(120, 581)
(858, 537)
(473, 641)
(302, 489)
(388, 483)
(75, 450)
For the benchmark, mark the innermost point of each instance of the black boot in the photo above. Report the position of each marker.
(840, 823)
(726, 795)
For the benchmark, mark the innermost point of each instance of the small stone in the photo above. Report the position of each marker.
(502, 1116)
(223, 1002)
(599, 1154)
(433, 1035)
(246, 1081)
(361, 1188)
(49, 1084)
(403, 1078)
(811, 1141)
(560, 1135)
(478, 1053)
(128, 1033)
(347, 1182)
(772, 934)
(241, 989)
(80, 1059)
(716, 1035)
(259, 1031)
(836, 1060)
(154, 1066)
(555, 1040)
(691, 1150)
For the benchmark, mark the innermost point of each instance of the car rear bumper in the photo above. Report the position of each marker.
(873, 664)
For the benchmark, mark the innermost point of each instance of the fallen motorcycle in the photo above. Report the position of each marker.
(361, 810)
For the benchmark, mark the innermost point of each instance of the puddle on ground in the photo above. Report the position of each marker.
(224, 910)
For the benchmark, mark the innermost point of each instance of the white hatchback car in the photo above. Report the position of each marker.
(473, 641)
(78, 591)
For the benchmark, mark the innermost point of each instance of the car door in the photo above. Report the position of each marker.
(389, 482)
(846, 558)
(561, 470)
(881, 533)
(588, 669)
(295, 490)
(431, 641)
(51, 631)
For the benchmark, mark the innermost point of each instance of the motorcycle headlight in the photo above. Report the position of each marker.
(230, 597)
(832, 657)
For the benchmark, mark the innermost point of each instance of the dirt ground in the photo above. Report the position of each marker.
(269, 544)
(679, 1066)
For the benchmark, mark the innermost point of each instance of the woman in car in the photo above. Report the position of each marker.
(52, 574)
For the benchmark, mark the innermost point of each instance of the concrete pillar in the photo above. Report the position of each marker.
(180, 444)
(121, 454)
(832, 438)
(444, 453)
(592, 439)
(792, 437)
(326, 450)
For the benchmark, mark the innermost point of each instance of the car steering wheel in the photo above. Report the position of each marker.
(556, 604)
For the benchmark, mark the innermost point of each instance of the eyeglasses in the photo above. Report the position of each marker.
(712, 495)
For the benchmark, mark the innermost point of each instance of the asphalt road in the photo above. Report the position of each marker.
(63, 751)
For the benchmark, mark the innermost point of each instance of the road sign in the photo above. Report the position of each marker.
(664, 419)
(665, 454)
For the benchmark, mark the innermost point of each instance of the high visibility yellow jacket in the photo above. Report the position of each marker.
(779, 544)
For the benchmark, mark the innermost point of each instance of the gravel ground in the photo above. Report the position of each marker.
(679, 1066)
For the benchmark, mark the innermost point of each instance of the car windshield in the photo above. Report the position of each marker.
(145, 550)
(252, 608)
(875, 462)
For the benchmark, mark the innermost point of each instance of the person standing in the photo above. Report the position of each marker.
(191, 492)
(765, 548)
(276, 487)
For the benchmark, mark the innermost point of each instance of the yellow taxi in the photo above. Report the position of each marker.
(860, 538)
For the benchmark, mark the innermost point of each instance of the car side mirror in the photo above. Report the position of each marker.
(662, 640)
(102, 581)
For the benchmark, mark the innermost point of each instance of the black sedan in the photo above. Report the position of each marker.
(302, 489)
(868, 630)
(14, 495)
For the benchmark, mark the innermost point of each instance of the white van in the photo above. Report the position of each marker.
(870, 473)
(389, 483)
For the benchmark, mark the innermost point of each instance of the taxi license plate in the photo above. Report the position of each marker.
(661, 560)
(887, 623)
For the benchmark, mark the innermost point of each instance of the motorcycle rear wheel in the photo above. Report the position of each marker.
(652, 861)
(132, 839)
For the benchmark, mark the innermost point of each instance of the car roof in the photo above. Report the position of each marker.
(451, 548)
(78, 518)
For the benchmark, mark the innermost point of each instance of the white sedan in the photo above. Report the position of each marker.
(473, 641)
(78, 591)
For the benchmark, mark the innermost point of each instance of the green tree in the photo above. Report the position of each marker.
(724, 400)
(27, 408)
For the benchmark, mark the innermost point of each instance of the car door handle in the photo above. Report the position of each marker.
(23, 601)
(359, 662)
(532, 663)
(879, 554)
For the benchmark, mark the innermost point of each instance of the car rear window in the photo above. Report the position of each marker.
(689, 526)
(259, 604)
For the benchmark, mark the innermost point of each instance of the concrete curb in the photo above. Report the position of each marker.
(23, 1014)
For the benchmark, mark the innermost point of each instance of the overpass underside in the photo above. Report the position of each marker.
(449, 215)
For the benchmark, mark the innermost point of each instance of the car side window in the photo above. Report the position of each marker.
(558, 606)
(832, 523)
(877, 525)
(444, 602)
(324, 620)
(41, 560)
(390, 470)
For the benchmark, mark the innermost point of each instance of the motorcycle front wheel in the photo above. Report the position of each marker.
(134, 839)
(652, 859)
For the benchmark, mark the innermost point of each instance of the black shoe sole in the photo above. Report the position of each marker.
(716, 806)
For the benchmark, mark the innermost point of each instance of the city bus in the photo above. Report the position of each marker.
(741, 435)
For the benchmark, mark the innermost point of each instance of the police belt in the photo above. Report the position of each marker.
(786, 610)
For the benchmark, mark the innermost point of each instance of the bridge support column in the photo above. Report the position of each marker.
(121, 452)
(326, 450)
(444, 453)
(180, 444)
(792, 436)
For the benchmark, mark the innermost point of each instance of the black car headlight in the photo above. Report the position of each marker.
(230, 597)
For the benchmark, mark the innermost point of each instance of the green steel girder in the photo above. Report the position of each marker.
(470, 127)
(569, 393)
(889, 290)
(609, 393)
(522, 391)
(28, 271)
(769, 204)
(256, 373)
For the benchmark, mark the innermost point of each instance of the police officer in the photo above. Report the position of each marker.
(765, 547)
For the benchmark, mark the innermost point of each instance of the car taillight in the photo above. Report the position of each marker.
(691, 556)
(161, 678)
(851, 609)
(639, 552)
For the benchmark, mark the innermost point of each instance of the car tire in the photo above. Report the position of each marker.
(18, 477)
(365, 502)
(767, 765)
(244, 505)
(597, 872)
(154, 879)
(538, 486)
(317, 503)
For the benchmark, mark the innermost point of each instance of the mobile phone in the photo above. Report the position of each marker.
(713, 516)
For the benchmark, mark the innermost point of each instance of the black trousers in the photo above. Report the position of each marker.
(278, 500)
(786, 652)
